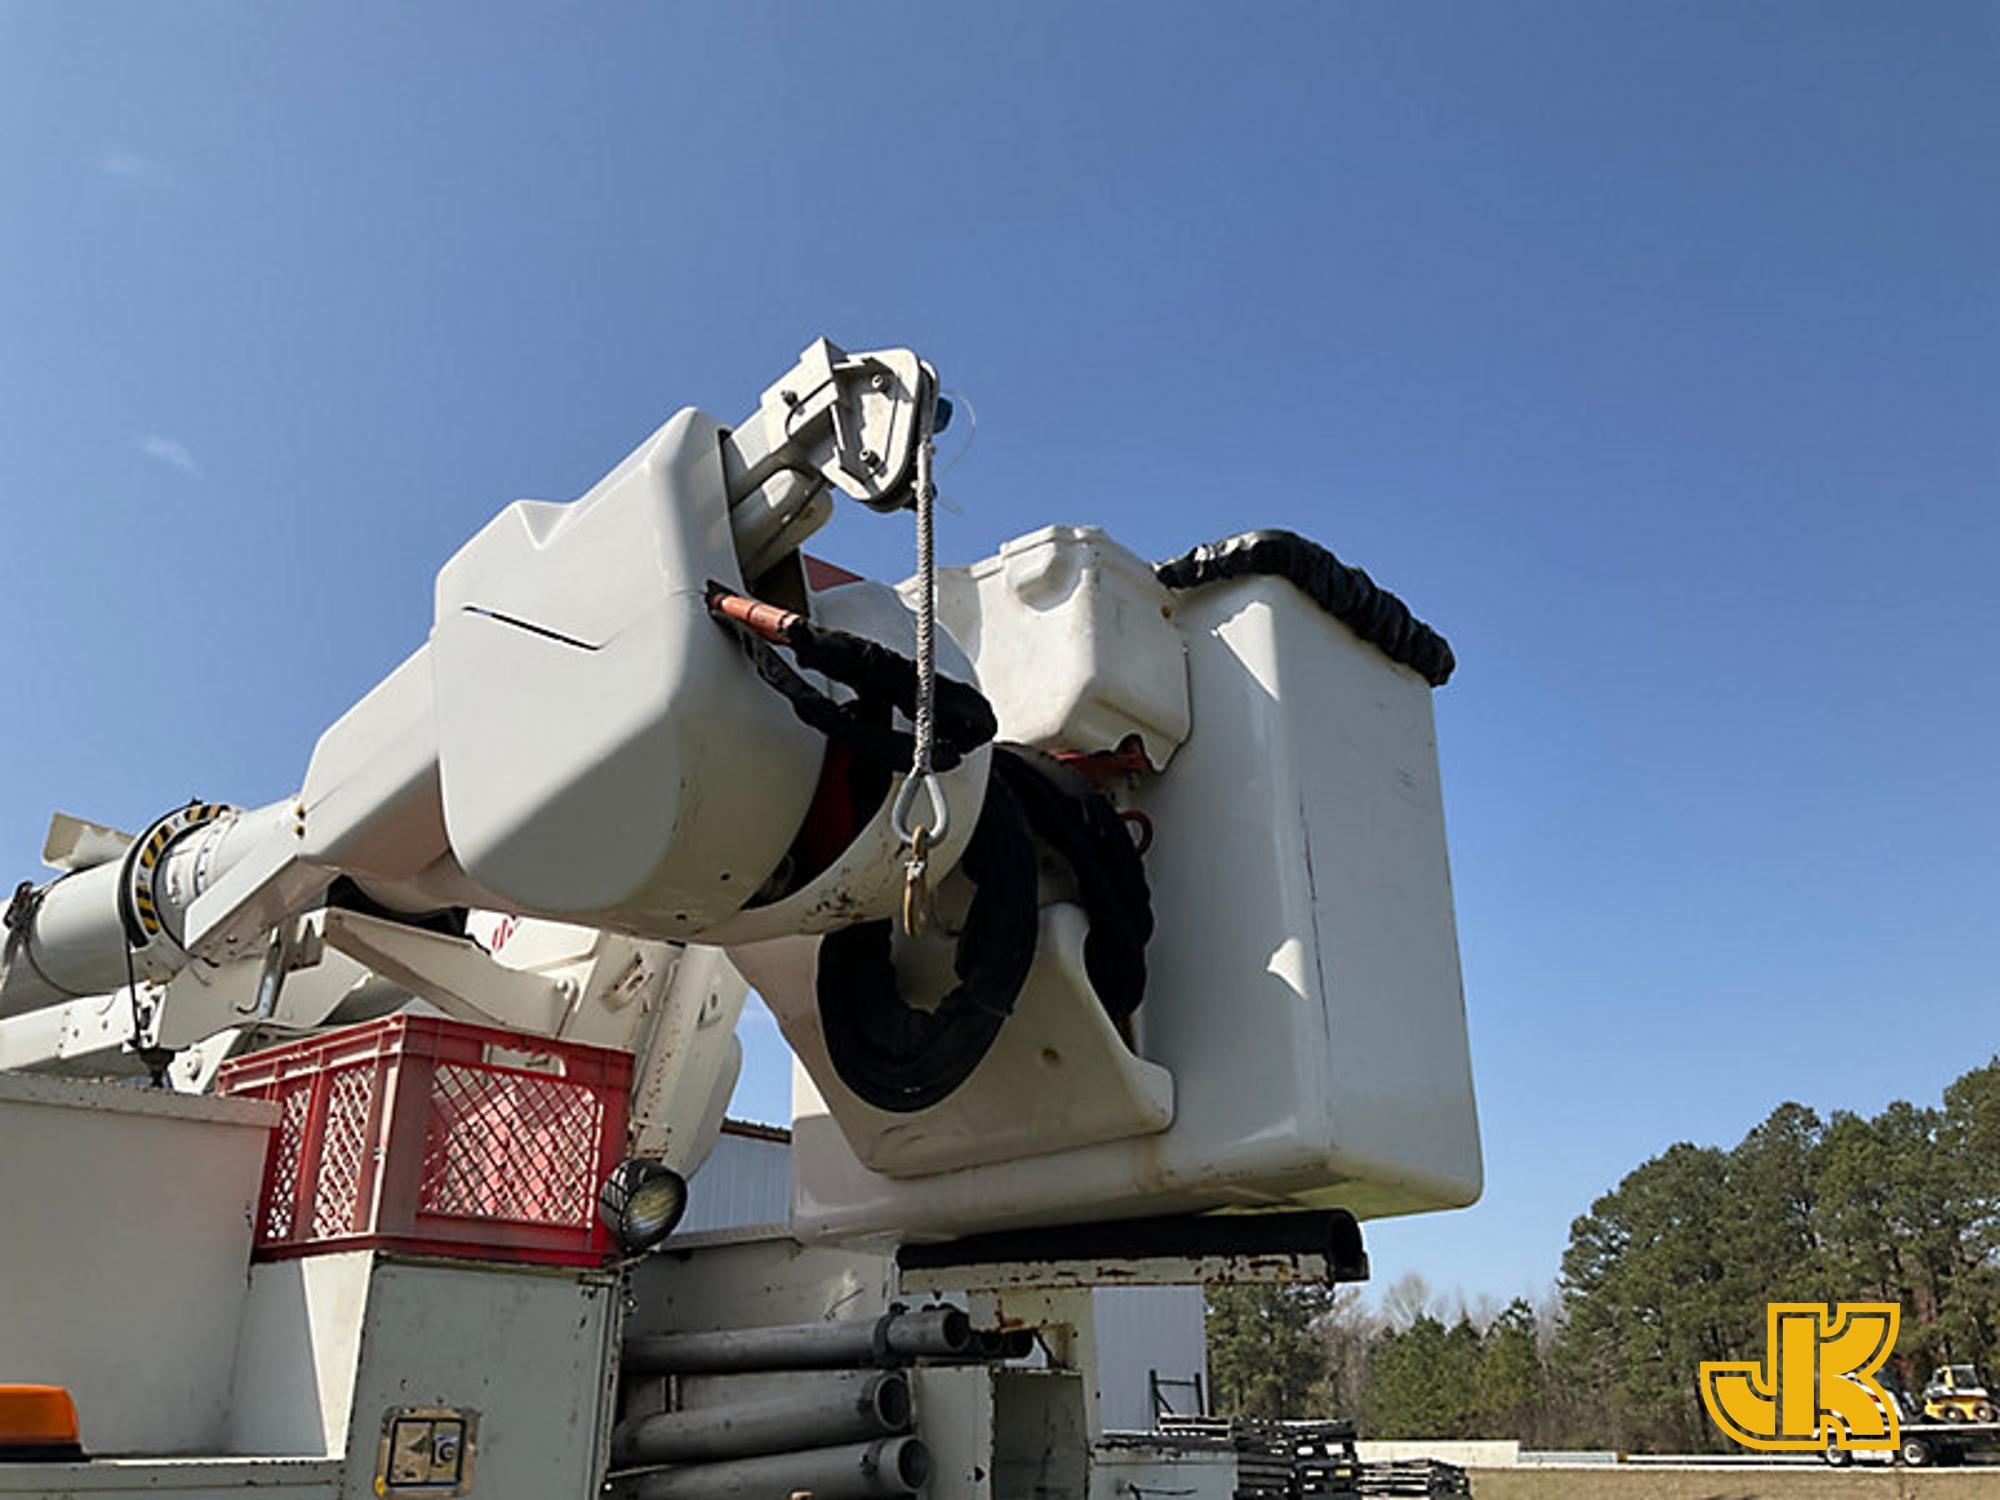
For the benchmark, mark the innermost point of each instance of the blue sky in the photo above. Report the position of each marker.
(1649, 352)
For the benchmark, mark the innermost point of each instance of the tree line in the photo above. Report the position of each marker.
(1671, 1267)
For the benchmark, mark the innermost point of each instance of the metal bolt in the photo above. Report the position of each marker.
(871, 458)
(879, 381)
(790, 398)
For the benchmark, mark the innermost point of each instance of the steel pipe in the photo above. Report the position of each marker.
(932, 1333)
(845, 1406)
(1003, 1343)
(861, 1471)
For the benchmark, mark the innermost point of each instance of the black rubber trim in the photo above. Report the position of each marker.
(1348, 594)
(1332, 1233)
(41, 1453)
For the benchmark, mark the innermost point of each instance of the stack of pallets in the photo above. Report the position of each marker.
(1281, 1460)
(1264, 1468)
(1323, 1461)
(1414, 1476)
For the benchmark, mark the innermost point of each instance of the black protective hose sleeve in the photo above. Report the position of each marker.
(881, 680)
(897, 1057)
(1348, 594)
(964, 718)
(1076, 820)
(861, 724)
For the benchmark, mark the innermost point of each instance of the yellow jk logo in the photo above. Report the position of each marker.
(1817, 1384)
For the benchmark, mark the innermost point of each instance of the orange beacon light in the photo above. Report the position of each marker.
(37, 1422)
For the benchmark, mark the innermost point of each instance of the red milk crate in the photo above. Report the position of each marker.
(423, 1134)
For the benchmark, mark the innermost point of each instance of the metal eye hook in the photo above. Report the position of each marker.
(899, 813)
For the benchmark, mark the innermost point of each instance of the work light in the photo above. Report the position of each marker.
(641, 1202)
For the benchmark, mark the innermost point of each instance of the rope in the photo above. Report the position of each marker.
(919, 838)
(925, 725)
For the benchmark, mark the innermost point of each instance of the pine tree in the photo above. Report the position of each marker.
(1511, 1387)
(1263, 1358)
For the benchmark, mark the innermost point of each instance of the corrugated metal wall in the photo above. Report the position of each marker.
(1142, 1331)
(746, 1180)
(1149, 1331)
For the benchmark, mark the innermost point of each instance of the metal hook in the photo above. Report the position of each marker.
(899, 812)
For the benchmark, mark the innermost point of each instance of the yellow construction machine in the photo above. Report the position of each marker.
(1957, 1394)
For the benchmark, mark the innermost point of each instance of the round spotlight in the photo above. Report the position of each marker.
(641, 1202)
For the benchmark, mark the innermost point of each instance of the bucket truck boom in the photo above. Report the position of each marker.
(1103, 904)
(1178, 937)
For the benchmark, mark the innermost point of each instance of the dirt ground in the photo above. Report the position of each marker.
(1619, 1483)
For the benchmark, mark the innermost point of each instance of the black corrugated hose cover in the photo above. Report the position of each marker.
(899, 1058)
(1348, 594)
(881, 680)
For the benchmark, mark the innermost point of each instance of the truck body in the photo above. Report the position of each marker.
(1104, 905)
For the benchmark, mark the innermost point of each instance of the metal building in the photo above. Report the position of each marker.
(746, 1181)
